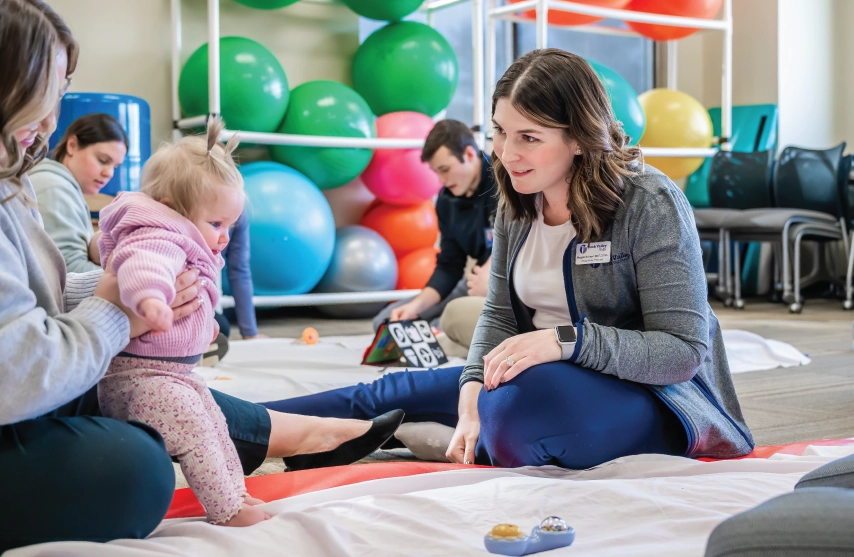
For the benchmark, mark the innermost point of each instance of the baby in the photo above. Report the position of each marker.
(191, 194)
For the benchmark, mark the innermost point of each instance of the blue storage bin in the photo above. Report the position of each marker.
(135, 117)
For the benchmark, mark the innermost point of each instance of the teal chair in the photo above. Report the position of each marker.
(754, 128)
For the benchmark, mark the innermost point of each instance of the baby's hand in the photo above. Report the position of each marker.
(156, 314)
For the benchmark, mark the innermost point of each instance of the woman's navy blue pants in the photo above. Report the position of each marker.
(555, 413)
(73, 475)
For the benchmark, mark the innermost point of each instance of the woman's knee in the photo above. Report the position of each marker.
(116, 481)
(134, 473)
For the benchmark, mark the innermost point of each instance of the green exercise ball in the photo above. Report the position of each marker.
(253, 86)
(406, 66)
(326, 108)
(383, 10)
(624, 101)
(267, 4)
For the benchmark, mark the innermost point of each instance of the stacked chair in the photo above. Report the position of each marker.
(802, 196)
(754, 129)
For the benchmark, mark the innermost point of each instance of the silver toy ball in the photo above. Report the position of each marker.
(553, 524)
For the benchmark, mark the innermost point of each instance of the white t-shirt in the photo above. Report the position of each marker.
(538, 271)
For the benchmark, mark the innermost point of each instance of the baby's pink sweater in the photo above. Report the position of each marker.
(148, 245)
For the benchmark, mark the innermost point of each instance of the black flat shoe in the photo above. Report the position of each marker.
(382, 428)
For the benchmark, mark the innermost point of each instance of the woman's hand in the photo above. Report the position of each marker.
(462, 445)
(464, 441)
(518, 353)
(187, 300)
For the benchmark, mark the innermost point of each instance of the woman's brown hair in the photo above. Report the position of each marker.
(556, 89)
(29, 89)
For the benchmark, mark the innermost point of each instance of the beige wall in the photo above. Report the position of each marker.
(808, 84)
(754, 45)
(794, 53)
(126, 47)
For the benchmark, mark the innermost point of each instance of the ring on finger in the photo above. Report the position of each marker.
(510, 362)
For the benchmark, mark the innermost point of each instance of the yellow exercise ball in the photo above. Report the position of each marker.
(674, 119)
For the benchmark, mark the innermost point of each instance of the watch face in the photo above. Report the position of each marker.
(565, 333)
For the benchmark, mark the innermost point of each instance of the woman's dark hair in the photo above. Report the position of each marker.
(29, 87)
(90, 129)
(452, 134)
(557, 89)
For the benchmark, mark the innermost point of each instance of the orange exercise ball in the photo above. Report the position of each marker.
(406, 229)
(416, 268)
(706, 9)
(566, 18)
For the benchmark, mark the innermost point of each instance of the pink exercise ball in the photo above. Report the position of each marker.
(397, 176)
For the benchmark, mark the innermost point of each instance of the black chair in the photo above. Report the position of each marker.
(737, 182)
(807, 191)
(849, 273)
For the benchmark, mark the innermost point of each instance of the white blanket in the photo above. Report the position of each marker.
(275, 369)
(647, 505)
(748, 351)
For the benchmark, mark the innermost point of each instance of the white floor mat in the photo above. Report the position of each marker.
(647, 505)
(275, 369)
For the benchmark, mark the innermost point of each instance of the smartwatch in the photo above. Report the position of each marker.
(566, 339)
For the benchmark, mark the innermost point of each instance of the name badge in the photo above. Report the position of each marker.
(596, 252)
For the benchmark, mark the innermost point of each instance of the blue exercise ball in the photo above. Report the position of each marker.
(362, 261)
(291, 227)
(132, 113)
(624, 101)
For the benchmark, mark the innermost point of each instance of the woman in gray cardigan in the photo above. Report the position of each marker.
(83, 161)
(596, 339)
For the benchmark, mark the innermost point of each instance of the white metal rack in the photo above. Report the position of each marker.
(215, 107)
(508, 12)
(484, 79)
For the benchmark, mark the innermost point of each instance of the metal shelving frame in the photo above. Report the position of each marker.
(215, 107)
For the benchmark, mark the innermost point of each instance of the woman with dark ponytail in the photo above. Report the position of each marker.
(596, 339)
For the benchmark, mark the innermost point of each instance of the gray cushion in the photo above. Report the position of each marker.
(811, 522)
(713, 219)
(771, 220)
(839, 473)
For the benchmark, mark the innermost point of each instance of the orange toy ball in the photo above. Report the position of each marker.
(566, 18)
(310, 335)
(706, 9)
(406, 229)
(416, 268)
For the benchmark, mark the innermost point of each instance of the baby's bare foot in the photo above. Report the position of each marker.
(252, 501)
(247, 516)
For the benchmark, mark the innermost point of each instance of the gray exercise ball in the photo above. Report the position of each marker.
(362, 261)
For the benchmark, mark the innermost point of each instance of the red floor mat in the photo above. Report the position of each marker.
(278, 486)
(288, 484)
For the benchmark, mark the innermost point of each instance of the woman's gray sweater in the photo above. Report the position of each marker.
(643, 316)
(56, 340)
(66, 216)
